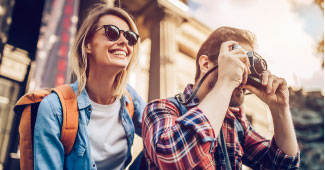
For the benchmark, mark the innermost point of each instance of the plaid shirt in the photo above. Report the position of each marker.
(175, 141)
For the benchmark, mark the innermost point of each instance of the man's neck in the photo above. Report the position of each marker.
(203, 90)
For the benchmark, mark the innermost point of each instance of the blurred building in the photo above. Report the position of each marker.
(19, 27)
(35, 56)
(170, 40)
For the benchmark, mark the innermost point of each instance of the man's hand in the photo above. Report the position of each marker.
(233, 64)
(275, 94)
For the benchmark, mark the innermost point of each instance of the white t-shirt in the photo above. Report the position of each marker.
(107, 136)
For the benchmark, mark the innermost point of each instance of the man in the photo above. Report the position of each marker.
(175, 140)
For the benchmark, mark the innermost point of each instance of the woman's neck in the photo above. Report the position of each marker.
(100, 87)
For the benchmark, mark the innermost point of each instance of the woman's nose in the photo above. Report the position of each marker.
(122, 39)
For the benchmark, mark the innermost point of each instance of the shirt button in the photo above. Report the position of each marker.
(94, 165)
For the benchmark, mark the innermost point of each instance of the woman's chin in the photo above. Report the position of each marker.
(118, 65)
(118, 62)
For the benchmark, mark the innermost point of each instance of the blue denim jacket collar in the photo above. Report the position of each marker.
(125, 98)
(83, 98)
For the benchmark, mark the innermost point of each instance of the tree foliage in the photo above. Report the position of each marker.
(320, 47)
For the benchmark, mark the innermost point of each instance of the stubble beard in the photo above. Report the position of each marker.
(237, 96)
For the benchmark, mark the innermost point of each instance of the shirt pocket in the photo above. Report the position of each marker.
(79, 149)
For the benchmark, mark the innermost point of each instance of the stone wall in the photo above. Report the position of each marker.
(308, 117)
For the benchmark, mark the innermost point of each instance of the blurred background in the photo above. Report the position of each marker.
(35, 38)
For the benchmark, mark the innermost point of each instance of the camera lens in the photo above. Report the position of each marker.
(260, 65)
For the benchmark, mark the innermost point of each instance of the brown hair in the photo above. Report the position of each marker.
(78, 55)
(211, 45)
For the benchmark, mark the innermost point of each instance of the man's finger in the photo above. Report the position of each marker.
(269, 84)
(245, 60)
(275, 85)
(265, 77)
(245, 74)
(252, 89)
(282, 83)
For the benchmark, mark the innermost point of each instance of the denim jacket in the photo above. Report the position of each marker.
(49, 151)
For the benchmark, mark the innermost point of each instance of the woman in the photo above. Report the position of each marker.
(102, 56)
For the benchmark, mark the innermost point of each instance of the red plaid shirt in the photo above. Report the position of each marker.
(175, 141)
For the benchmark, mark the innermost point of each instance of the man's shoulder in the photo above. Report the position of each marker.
(159, 103)
(161, 106)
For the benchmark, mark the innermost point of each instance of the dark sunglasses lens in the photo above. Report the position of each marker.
(131, 37)
(112, 33)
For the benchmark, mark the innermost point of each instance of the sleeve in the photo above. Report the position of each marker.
(48, 150)
(175, 142)
(139, 105)
(261, 153)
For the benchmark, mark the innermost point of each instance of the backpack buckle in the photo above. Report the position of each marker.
(180, 98)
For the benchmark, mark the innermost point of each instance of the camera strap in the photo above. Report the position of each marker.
(180, 96)
(222, 142)
(221, 139)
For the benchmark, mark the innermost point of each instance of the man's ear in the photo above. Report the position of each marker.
(205, 64)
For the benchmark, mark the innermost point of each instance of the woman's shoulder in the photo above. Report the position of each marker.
(51, 103)
(130, 89)
(134, 94)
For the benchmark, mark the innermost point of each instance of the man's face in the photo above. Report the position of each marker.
(237, 96)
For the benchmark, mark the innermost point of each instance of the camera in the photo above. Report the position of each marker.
(258, 66)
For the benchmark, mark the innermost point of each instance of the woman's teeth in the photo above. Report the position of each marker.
(119, 53)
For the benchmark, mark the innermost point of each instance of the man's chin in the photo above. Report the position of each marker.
(237, 97)
(235, 103)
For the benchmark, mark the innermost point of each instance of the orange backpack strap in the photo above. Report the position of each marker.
(70, 111)
(25, 108)
(130, 106)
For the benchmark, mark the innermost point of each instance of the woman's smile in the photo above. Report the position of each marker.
(119, 53)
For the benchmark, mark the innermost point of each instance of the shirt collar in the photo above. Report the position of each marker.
(231, 111)
(235, 112)
(125, 98)
(82, 99)
(187, 94)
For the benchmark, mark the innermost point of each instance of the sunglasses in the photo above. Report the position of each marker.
(113, 33)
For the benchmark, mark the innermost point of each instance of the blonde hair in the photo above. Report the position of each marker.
(78, 55)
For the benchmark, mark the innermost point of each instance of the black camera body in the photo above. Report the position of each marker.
(258, 66)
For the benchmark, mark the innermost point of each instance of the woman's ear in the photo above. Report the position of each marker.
(205, 64)
(88, 48)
